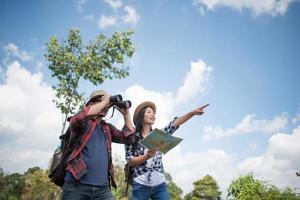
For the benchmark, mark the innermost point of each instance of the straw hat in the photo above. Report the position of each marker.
(95, 94)
(141, 106)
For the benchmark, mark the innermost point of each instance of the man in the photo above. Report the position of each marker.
(90, 171)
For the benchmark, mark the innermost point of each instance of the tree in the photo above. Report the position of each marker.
(72, 60)
(38, 186)
(34, 184)
(174, 191)
(247, 187)
(11, 186)
(204, 189)
(119, 193)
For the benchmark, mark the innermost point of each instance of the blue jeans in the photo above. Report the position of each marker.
(143, 192)
(77, 191)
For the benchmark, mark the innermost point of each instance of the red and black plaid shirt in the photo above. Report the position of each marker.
(76, 164)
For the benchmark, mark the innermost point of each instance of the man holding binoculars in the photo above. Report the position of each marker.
(90, 171)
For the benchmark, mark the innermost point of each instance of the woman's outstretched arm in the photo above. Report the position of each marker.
(182, 119)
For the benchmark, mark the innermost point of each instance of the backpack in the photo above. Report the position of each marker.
(129, 170)
(59, 160)
(60, 157)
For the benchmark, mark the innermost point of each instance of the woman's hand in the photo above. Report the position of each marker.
(151, 152)
(200, 110)
(182, 119)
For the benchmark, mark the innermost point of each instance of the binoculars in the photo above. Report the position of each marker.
(117, 100)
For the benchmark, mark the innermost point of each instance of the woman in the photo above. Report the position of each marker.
(149, 178)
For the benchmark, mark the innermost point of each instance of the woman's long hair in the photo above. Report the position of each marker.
(139, 121)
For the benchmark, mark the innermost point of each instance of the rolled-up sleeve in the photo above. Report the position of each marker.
(126, 136)
(170, 128)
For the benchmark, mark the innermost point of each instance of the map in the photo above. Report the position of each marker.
(161, 140)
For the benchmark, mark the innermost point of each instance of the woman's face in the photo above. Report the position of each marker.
(149, 117)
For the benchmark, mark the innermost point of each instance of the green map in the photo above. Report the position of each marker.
(161, 140)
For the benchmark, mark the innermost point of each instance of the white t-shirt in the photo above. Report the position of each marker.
(156, 178)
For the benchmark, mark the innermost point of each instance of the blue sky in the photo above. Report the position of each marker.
(241, 57)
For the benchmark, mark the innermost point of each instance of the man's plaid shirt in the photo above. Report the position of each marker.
(76, 164)
(156, 163)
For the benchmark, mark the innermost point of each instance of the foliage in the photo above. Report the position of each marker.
(72, 60)
(119, 193)
(204, 189)
(32, 185)
(247, 187)
(11, 186)
(35, 185)
(174, 191)
(38, 185)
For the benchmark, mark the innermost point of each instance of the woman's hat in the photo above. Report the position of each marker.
(141, 106)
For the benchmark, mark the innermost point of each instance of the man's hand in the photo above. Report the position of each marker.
(123, 111)
(106, 98)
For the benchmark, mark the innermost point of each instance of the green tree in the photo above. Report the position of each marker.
(2, 184)
(11, 186)
(119, 193)
(248, 188)
(174, 191)
(71, 61)
(38, 186)
(204, 189)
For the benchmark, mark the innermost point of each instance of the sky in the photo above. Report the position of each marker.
(241, 57)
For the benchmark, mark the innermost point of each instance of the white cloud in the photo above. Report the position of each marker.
(106, 21)
(248, 125)
(296, 118)
(80, 4)
(164, 102)
(2, 75)
(257, 7)
(20, 160)
(131, 16)
(114, 3)
(89, 18)
(190, 167)
(196, 81)
(29, 122)
(280, 161)
(12, 51)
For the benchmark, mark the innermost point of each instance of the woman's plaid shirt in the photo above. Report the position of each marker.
(139, 150)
